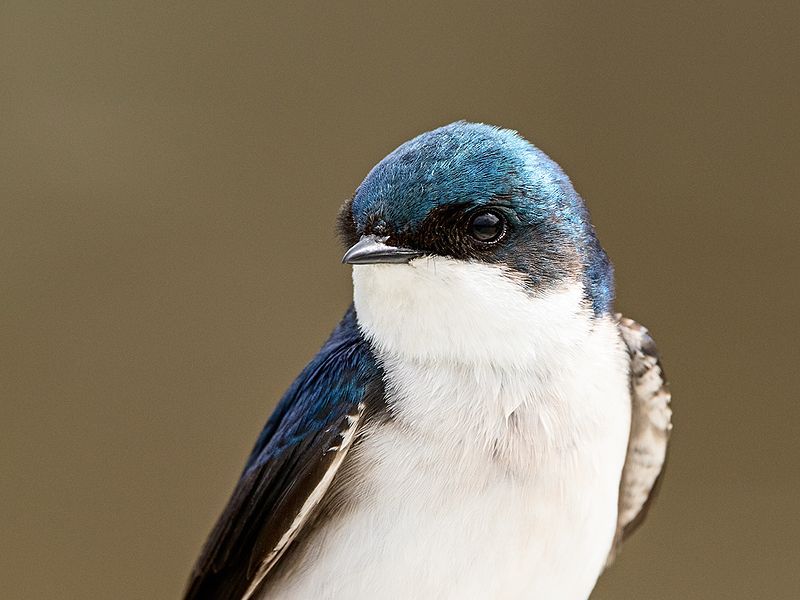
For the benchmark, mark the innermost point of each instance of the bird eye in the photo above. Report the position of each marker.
(487, 226)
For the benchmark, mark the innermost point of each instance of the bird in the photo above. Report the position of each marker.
(480, 424)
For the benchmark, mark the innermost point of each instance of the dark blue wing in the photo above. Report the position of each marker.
(290, 459)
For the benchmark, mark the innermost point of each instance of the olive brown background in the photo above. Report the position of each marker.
(169, 179)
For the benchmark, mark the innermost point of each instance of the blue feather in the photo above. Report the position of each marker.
(289, 457)
(480, 165)
(327, 388)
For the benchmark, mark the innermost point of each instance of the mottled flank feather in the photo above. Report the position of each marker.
(650, 430)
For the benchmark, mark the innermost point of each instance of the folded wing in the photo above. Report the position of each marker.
(291, 467)
(651, 423)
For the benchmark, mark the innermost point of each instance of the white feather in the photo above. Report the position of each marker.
(498, 475)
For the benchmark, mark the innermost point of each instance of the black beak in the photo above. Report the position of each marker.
(371, 249)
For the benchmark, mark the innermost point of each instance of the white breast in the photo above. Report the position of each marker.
(497, 476)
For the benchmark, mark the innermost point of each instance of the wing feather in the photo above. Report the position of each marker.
(291, 467)
(312, 501)
(651, 424)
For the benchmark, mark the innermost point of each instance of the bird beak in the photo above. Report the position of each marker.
(371, 249)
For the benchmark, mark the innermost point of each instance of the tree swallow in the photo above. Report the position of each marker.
(480, 424)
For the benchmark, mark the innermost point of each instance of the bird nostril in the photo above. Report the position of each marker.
(380, 228)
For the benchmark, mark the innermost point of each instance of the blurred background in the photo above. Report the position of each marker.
(170, 175)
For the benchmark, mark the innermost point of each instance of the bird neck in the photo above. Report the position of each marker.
(442, 310)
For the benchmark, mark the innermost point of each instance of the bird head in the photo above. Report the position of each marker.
(469, 199)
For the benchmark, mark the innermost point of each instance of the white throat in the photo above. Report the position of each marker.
(464, 346)
(465, 312)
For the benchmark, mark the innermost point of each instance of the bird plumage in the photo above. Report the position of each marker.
(422, 188)
(294, 452)
(480, 424)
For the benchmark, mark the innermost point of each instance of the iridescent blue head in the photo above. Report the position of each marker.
(478, 193)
